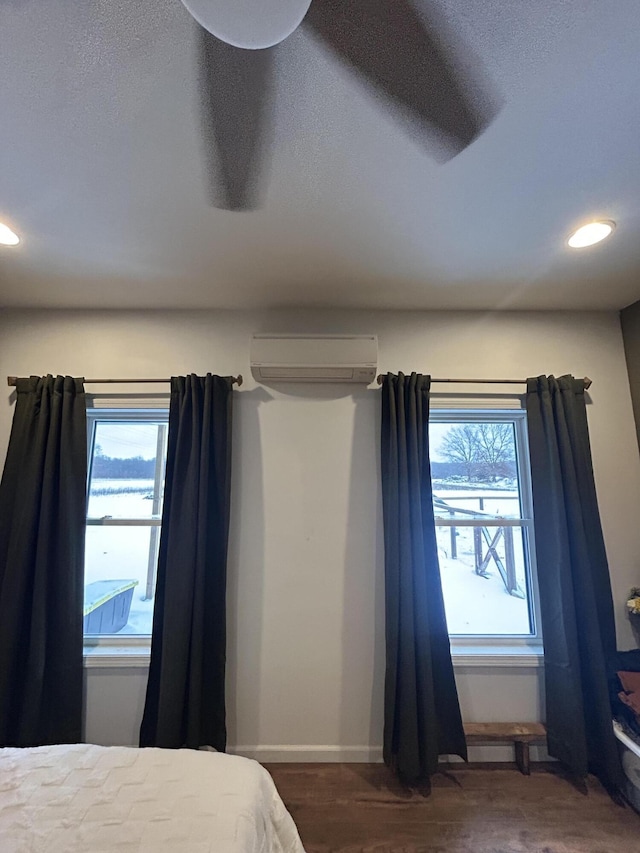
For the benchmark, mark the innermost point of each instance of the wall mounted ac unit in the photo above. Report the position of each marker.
(314, 358)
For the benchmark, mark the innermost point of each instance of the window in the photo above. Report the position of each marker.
(484, 522)
(127, 455)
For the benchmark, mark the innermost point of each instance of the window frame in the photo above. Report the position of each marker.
(113, 650)
(514, 649)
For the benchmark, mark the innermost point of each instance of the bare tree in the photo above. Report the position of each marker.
(485, 450)
(496, 449)
(460, 445)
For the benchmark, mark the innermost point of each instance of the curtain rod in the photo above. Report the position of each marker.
(586, 380)
(13, 380)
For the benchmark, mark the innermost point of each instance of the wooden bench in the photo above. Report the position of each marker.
(522, 735)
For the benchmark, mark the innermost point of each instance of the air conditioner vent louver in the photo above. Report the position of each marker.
(314, 358)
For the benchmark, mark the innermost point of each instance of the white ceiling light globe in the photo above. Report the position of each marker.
(251, 24)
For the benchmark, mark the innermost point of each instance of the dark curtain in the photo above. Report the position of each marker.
(422, 714)
(185, 704)
(42, 524)
(575, 590)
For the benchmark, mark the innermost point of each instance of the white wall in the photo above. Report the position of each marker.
(306, 644)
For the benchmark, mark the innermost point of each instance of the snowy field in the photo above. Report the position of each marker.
(121, 553)
(475, 605)
(121, 498)
(503, 503)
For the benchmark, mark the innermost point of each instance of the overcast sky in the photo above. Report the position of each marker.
(122, 441)
(436, 434)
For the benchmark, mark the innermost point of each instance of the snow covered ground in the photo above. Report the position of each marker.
(121, 553)
(475, 605)
(121, 498)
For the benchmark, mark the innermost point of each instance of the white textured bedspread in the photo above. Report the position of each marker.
(93, 799)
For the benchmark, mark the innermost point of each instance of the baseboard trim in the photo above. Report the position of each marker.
(294, 753)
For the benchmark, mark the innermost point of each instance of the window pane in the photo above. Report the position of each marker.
(478, 567)
(474, 470)
(125, 481)
(115, 579)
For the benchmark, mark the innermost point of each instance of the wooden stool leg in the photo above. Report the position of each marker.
(522, 757)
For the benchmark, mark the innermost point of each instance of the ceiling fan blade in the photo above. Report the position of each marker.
(390, 44)
(236, 88)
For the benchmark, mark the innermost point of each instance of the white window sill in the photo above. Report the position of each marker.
(496, 656)
(116, 656)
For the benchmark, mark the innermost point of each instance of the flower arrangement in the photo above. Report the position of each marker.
(633, 602)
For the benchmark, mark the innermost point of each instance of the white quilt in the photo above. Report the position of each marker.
(94, 799)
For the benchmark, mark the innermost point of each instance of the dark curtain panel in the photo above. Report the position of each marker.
(185, 703)
(42, 524)
(422, 714)
(575, 590)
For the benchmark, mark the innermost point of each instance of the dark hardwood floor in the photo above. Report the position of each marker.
(346, 808)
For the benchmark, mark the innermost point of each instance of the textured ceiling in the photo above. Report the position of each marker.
(101, 169)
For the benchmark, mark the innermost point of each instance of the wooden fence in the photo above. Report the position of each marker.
(489, 536)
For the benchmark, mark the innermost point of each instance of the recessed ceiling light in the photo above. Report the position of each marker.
(590, 234)
(7, 236)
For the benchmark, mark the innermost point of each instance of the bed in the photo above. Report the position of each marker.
(81, 798)
(629, 747)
